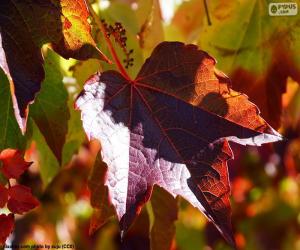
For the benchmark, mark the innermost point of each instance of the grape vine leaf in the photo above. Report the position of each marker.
(258, 51)
(51, 103)
(21, 199)
(13, 163)
(3, 195)
(170, 127)
(7, 225)
(25, 26)
(48, 163)
(99, 195)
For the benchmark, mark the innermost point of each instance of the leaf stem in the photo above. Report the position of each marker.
(109, 44)
(207, 12)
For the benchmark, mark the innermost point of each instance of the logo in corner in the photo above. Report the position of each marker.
(283, 9)
(273, 8)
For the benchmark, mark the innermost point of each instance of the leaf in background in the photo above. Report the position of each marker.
(170, 127)
(138, 236)
(48, 164)
(162, 222)
(75, 136)
(50, 110)
(25, 27)
(188, 19)
(13, 163)
(21, 199)
(291, 106)
(3, 195)
(82, 70)
(151, 32)
(258, 51)
(7, 225)
(99, 195)
(190, 227)
(10, 134)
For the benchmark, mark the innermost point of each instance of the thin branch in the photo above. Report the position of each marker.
(207, 12)
(109, 44)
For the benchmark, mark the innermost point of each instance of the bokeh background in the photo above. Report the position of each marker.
(260, 53)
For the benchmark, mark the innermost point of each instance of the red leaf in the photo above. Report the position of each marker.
(3, 195)
(99, 195)
(21, 200)
(13, 163)
(171, 127)
(7, 225)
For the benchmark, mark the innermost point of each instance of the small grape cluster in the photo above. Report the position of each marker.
(119, 34)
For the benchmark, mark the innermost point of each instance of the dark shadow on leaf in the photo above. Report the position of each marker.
(215, 103)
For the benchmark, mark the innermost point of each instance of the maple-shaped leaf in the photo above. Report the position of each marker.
(13, 163)
(21, 199)
(7, 225)
(170, 127)
(3, 195)
(24, 27)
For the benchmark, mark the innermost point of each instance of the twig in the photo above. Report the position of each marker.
(207, 12)
(109, 44)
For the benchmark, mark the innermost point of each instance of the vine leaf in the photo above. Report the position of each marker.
(99, 195)
(52, 102)
(13, 163)
(21, 200)
(7, 225)
(27, 25)
(3, 196)
(164, 214)
(17, 198)
(170, 127)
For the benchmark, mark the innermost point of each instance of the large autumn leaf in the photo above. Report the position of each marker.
(170, 127)
(258, 51)
(24, 27)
